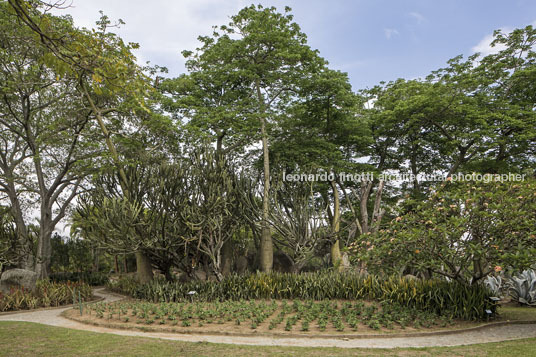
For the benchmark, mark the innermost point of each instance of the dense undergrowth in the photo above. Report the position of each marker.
(91, 278)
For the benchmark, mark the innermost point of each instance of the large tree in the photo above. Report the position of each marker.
(47, 138)
(265, 56)
(324, 133)
(105, 70)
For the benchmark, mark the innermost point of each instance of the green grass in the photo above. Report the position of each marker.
(29, 339)
(518, 313)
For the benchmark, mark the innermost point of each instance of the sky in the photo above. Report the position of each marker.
(371, 40)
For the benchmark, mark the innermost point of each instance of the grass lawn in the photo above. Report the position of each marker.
(29, 339)
(514, 312)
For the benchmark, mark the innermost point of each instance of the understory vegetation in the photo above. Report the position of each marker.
(435, 296)
(90, 278)
(45, 294)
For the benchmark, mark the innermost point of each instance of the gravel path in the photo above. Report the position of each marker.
(490, 334)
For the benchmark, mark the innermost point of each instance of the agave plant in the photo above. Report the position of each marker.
(494, 284)
(522, 288)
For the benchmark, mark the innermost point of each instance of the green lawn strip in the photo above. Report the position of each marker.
(517, 313)
(30, 339)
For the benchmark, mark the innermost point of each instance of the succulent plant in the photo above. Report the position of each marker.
(522, 288)
(494, 284)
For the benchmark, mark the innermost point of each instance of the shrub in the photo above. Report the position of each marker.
(124, 285)
(464, 231)
(91, 278)
(437, 296)
(46, 294)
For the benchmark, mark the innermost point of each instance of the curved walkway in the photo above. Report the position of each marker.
(489, 334)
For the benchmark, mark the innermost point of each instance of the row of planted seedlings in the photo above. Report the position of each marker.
(284, 314)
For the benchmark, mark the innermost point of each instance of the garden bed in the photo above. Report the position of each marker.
(268, 317)
(45, 295)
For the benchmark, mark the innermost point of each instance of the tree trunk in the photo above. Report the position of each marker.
(144, 269)
(168, 273)
(266, 253)
(377, 212)
(218, 274)
(116, 264)
(227, 257)
(266, 246)
(24, 252)
(336, 257)
(365, 194)
(297, 267)
(95, 260)
(44, 250)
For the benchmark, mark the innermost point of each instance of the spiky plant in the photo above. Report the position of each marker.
(522, 288)
(494, 284)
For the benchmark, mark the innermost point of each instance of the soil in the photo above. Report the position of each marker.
(244, 329)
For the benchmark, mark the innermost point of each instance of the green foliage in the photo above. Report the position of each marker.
(46, 294)
(88, 277)
(297, 221)
(8, 238)
(76, 254)
(464, 231)
(440, 297)
(190, 206)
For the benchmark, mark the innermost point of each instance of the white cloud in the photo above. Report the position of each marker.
(484, 46)
(163, 28)
(389, 33)
(417, 16)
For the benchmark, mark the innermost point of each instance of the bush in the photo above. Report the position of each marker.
(46, 294)
(124, 285)
(91, 278)
(464, 231)
(437, 296)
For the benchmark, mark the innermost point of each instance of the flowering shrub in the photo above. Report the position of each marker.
(464, 231)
